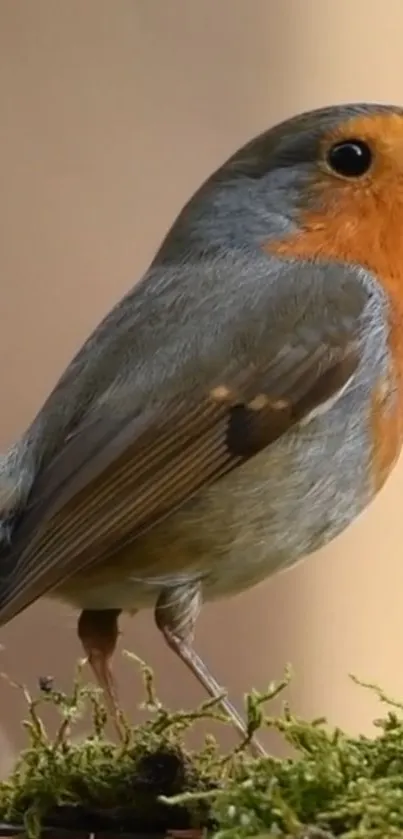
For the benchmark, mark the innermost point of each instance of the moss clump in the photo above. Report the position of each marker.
(335, 785)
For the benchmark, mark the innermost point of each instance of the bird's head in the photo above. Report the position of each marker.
(326, 184)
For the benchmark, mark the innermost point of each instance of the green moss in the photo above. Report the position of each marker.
(347, 786)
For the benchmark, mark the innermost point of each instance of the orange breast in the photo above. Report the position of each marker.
(362, 222)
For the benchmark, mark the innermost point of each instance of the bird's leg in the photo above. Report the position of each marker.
(175, 615)
(98, 632)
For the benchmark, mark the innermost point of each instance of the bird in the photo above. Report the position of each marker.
(237, 409)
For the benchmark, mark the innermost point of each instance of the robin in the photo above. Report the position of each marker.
(238, 408)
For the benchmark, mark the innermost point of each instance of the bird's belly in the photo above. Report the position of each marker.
(266, 515)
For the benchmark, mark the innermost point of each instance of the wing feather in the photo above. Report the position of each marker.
(186, 446)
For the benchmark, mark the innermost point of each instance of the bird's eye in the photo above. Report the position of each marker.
(350, 158)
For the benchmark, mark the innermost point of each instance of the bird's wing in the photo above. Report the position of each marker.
(112, 480)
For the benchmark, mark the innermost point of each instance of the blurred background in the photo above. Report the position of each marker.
(111, 114)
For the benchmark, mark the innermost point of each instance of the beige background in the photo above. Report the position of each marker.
(111, 113)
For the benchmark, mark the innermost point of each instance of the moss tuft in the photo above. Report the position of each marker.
(335, 785)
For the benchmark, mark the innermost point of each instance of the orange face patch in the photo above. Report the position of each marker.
(360, 221)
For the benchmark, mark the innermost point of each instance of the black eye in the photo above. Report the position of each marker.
(350, 158)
